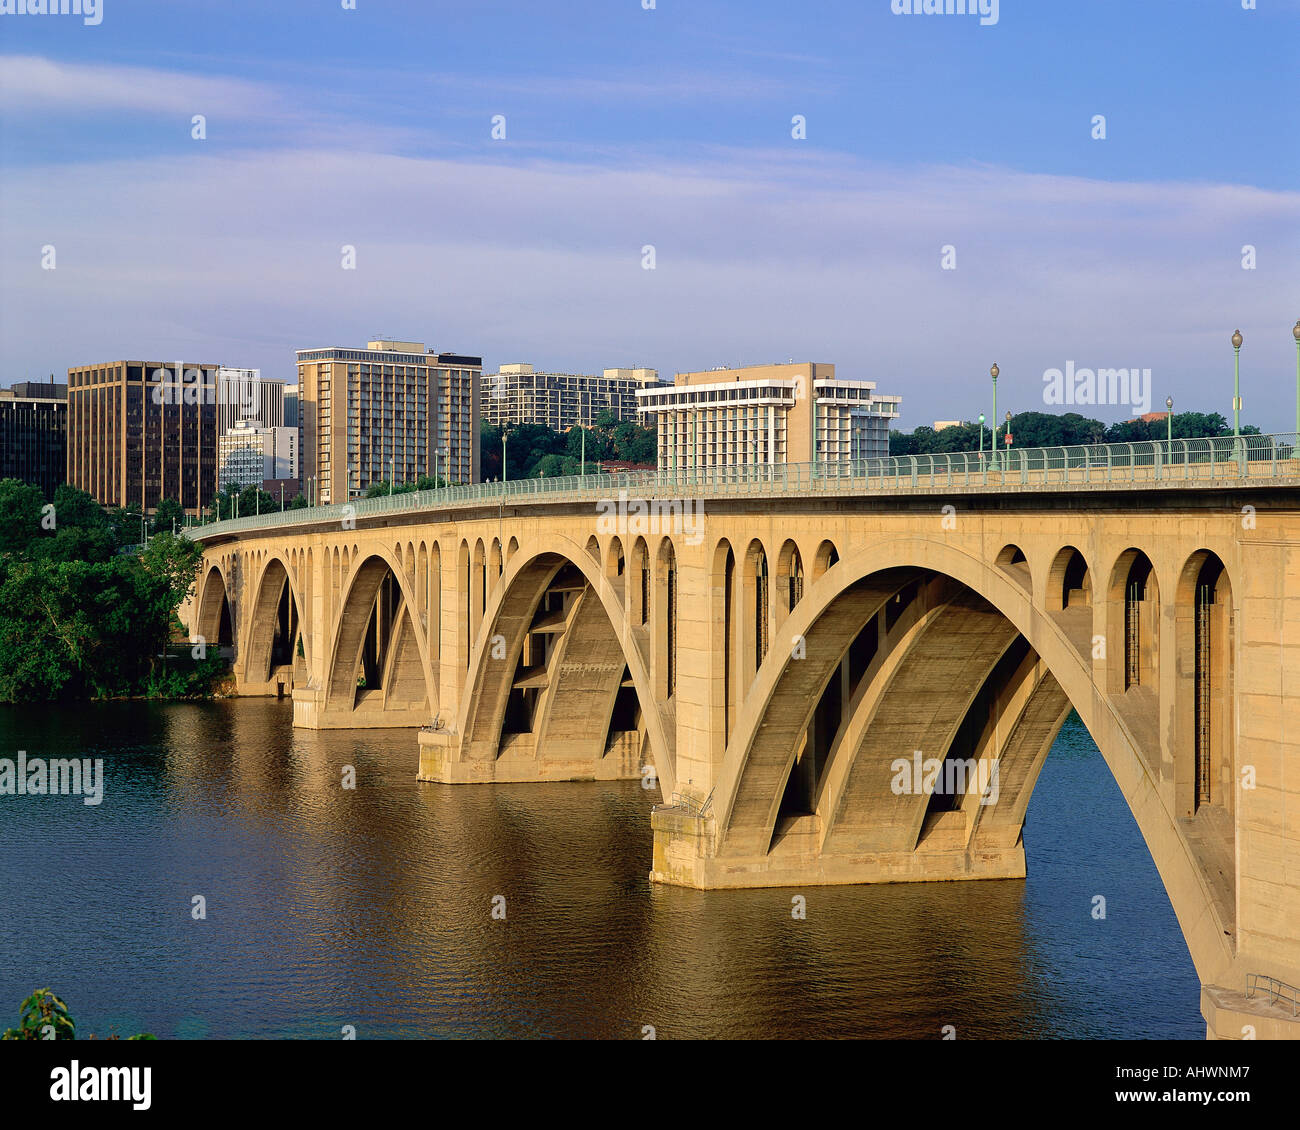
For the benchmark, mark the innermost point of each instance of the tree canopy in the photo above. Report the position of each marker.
(79, 617)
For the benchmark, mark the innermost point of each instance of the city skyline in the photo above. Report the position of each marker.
(632, 128)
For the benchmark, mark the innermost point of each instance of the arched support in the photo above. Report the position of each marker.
(559, 684)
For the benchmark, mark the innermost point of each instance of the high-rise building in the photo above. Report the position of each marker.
(249, 455)
(391, 410)
(243, 394)
(142, 431)
(520, 395)
(767, 414)
(291, 418)
(34, 434)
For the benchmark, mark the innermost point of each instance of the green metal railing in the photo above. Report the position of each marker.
(1257, 460)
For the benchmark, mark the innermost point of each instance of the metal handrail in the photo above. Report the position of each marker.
(684, 800)
(1276, 990)
(1256, 459)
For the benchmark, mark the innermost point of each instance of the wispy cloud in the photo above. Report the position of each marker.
(760, 256)
(31, 83)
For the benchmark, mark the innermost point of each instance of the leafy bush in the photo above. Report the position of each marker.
(43, 1016)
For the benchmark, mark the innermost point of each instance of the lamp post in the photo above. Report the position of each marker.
(1007, 442)
(584, 449)
(1296, 333)
(1169, 423)
(503, 456)
(993, 372)
(981, 441)
(1237, 339)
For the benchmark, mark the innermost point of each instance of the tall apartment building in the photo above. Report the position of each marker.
(393, 409)
(142, 431)
(243, 394)
(248, 455)
(767, 414)
(34, 434)
(520, 395)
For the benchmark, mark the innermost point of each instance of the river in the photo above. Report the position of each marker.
(371, 907)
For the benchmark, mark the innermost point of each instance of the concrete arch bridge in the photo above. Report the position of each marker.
(834, 678)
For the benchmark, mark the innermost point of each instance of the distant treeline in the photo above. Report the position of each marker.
(533, 450)
(1045, 429)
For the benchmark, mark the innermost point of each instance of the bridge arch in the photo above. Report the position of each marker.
(1205, 634)
(379, 658)
(1038, 662)
(556, 644)
(215, 619)
(275, 625)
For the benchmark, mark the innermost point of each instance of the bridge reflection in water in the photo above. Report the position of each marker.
(371, 906)
(778, 649)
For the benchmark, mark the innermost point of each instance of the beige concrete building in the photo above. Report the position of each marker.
(518, 394)
(393, 410)
(767, 415)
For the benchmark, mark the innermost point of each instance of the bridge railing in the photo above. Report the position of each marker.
(1260, 459)
(1279, 992)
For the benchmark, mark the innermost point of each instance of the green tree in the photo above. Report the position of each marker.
(168, 512)
(42, 1016)
(20, 515)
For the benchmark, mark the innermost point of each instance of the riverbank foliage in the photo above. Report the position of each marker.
(44, 1016)
(86, 609)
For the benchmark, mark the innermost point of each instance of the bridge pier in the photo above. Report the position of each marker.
(686, 855)
(441, 761)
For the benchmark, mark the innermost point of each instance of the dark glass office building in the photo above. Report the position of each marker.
(34, 434)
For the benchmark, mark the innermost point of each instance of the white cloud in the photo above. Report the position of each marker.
(762, 255)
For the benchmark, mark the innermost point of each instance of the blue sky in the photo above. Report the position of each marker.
(671, 127)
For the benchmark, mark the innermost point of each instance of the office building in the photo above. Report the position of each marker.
(34, 434)
(243, 394)
(291, 418)
(520, 395)
(767, 414)
(142, 431)
(249, 455)
(392, 410)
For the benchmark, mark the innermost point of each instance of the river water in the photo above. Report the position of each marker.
(372, 907)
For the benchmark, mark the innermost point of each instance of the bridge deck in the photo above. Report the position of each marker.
(1253, 461)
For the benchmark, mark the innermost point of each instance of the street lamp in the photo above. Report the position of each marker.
(981, 441)
(1007, 441)
(1237, 339)
(503, 456)
(993, 372)
(1296, 333)
(1169, 421)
